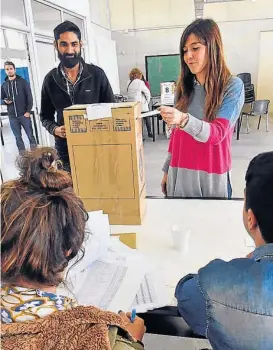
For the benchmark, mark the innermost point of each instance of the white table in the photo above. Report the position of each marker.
(216, 226)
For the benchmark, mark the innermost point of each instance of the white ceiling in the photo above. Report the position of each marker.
(199, 6)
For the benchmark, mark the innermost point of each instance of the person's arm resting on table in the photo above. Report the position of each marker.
(192, 304)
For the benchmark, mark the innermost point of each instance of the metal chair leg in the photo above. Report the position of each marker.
(247, 124)
(259, 122)
(267, 122)
(2, 138)
(239, 123)
(153, 128)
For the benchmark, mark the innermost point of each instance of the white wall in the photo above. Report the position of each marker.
(155, 27)
(265, 75)
(134, 46)
(100, 44)
(241, 23)
(80, 7)
(242, 43)
(147, 28)
(239, 10)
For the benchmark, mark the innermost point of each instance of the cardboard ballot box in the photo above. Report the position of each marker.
(107, 160)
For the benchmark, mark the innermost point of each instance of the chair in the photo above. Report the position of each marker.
(249, 88)
(246, 78)
(120, 98)
(259, 107)
(1, 133)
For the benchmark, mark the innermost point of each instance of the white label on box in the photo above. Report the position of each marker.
(99, 111)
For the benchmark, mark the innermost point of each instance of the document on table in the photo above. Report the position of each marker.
(95, 245)
(110, 286)
(152, 294)
(113, 276)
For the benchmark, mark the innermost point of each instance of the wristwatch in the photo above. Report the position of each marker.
(184, 122)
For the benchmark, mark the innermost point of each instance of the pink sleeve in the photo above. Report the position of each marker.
(148, 84)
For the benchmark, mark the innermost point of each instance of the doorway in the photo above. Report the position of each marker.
(15, 48)
(265, 72)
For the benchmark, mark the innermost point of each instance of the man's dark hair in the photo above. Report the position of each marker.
(9, 63)
(66, 26)
(259, 192)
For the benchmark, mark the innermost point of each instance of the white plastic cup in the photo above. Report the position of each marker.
(181, 239)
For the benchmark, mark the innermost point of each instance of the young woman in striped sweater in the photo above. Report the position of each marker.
(209, 102)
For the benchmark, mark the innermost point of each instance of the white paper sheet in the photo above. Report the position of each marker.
(110, 286)
(113, 276)
(99, 111)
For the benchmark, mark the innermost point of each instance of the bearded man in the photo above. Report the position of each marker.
(72, 82)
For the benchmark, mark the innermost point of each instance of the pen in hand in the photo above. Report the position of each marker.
(133, 316)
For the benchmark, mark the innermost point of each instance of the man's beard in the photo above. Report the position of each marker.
(69, 62)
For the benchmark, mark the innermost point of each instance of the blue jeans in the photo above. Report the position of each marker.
(16, 124)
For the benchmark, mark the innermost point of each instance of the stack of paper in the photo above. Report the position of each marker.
(113, 276)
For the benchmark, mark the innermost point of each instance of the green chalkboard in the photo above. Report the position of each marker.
(160, 69)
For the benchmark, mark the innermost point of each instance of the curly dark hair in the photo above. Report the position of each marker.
(42, 221)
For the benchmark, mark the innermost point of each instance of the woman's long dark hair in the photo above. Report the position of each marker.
(42, 221)
(218, 74)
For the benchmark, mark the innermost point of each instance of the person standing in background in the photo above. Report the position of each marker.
(138, 91)
(208, 103)
(146, 82)
(16, 94)
(73, 82)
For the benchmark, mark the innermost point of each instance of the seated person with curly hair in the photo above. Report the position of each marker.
(43, 227)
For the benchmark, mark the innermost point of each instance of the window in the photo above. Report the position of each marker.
(15, 40)
(76, 20)
(13, 13)
(46, 18)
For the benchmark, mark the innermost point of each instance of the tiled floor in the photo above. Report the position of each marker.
(243, 151)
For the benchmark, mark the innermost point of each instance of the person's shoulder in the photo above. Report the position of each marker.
(50, 74)
(230, 283)
(235, 85)
(93, 69)
(218, 274)
(218, 264)
(22, 80)
(139, 82)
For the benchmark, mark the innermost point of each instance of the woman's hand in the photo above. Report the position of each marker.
(172, 116)
(137, 329)
(164, 184)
